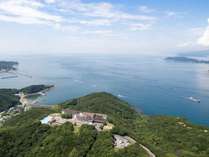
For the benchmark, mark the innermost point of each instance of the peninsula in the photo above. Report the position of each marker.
(187, 60)
(6, 66)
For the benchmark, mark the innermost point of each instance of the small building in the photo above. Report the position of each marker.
(46, 120)
(99, 118)
(121, 142)
(86, 117)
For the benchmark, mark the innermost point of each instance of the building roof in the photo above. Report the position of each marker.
(87, 116)
(99, 118)
(69, 111)
(84, 117)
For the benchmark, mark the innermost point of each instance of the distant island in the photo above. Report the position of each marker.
(70, 129)
(6, 66)
(187, 59)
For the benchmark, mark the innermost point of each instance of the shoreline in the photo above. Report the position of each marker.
(25, 104)
(25, 98)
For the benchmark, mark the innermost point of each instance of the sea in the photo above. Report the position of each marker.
(152, 85)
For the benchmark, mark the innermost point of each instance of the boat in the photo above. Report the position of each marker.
(194, 99)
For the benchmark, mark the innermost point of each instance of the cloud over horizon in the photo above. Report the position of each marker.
(73, 13)
(106, 26)
(204, 39)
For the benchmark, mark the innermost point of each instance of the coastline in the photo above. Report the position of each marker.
(25, 100)
(25, 104)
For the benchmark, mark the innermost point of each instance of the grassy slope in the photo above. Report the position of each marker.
(165, 136)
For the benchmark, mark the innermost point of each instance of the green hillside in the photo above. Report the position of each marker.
(34, 89)
(25, 136)
(8, 99)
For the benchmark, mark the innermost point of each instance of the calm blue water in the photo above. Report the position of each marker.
(152, 85)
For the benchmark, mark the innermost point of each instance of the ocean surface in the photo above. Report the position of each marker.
(153, 85)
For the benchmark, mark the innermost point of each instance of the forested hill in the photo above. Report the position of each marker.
(25, 136)
(35, 88)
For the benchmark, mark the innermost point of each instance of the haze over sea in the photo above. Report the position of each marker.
(153, 85)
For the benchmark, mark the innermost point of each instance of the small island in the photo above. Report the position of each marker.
(6, 66)
(187, 60)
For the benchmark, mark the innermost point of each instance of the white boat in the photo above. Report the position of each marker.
(194, 99)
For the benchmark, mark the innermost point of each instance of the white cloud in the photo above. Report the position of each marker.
(197, 31)
(21, 20)
(145, 9)
(170, 13)
(71, 14)
(185, 44)
(140, 27)
(100, 32)
(96, 22)
(204, 39)
(26, 12)
(50, 1)
(100, 10)
(68, 28)
(175, 14)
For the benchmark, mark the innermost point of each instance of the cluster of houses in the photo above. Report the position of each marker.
(77, 118)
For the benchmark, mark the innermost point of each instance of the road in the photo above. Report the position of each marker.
(148, 151)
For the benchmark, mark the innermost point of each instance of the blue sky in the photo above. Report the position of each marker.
(150, 27)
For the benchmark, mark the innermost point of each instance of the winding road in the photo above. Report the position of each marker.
(148, 151)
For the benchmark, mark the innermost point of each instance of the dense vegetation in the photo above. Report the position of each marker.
(8, 99)
(35, 88)
(24, 136)
(8, 65)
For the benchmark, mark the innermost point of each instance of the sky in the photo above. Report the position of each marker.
(152, 27)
